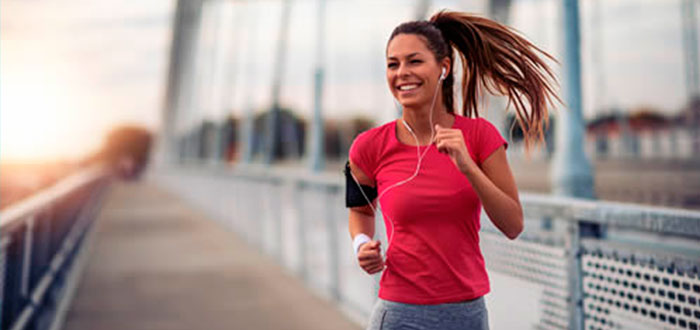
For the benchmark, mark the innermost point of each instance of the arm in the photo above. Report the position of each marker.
(493, 182)
(495, 186)
(361, 221)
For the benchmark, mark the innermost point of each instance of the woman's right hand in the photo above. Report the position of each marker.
(369, 256)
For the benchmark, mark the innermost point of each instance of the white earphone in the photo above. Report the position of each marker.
(444, 73)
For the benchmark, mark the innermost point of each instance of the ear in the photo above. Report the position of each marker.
(447, 64)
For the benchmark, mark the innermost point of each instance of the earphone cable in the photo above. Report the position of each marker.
(419, 156)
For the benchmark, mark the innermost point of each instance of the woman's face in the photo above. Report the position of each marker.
(412, 71)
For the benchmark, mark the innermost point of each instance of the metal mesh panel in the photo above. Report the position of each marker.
(534, 262)
(624, 293)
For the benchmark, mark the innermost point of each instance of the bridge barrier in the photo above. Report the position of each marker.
(578, 264)
(40, 238)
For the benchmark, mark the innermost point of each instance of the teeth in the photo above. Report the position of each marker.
(407, 87)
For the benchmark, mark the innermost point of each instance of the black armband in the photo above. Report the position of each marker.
(353, 194)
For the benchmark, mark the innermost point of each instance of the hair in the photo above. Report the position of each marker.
(494, 57)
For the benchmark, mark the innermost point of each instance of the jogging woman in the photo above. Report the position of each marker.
(433, 169)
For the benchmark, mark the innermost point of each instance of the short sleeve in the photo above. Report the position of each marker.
(362, 154)
(489, 139)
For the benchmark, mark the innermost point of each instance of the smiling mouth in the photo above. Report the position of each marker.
(407, 87)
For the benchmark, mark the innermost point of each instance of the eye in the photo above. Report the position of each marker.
(416, 61)
(391, 65)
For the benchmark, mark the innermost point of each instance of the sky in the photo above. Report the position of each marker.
(72, 69)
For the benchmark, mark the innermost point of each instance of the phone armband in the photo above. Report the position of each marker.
(353, 195)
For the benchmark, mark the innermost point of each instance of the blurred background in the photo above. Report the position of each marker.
(189, 94)
(73, 71)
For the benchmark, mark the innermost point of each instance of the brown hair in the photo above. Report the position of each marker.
(494, 57)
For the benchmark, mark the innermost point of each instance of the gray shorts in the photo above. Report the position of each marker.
(389, 315)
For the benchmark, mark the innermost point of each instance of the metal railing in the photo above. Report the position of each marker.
(580, 263)
(39, 238)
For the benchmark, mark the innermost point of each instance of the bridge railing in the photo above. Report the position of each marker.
(39, 238)
(578, 264)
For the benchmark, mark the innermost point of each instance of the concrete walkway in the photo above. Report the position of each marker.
(156, 264)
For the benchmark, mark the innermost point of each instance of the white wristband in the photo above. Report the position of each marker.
(359, 240)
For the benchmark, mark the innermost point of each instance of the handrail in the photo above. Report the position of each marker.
(38, 240)
(615, 214)
(14, 215)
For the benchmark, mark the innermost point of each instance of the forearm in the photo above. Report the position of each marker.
(360, 222)
(504, 211)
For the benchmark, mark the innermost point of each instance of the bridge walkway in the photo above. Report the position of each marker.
(155, 263)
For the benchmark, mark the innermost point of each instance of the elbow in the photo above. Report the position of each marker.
(515, 231)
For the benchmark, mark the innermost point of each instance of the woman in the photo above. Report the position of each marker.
(433, 169)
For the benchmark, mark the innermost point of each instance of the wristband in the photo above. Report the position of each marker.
(359, 239)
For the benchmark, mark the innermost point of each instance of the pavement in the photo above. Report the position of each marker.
(157, 264)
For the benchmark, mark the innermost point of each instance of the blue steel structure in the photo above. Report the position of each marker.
(572, 170)
(317, 146)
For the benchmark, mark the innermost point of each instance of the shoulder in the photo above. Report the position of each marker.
(369, 137)
(367, 147)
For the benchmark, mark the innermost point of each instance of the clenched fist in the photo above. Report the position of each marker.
(451, 142)
(369, 256)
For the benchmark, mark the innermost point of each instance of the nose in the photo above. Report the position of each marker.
(402, 70)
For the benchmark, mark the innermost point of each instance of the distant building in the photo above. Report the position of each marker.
(644, 134)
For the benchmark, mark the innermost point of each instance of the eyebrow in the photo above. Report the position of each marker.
(408, 56)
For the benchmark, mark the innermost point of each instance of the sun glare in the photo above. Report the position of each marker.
(32, 124)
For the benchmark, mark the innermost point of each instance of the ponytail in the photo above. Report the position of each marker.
(496, 58)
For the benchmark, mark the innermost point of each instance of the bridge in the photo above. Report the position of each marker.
(200, 246)
(205, 242)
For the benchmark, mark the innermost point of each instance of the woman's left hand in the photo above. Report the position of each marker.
(451, 142)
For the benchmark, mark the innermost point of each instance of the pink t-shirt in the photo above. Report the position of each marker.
(434, 255)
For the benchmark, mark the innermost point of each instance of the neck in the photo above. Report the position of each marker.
(419, 120)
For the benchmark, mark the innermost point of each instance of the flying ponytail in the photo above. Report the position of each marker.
(496, 58)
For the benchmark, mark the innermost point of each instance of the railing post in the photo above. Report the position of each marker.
(333, 250)
(301, 232)
(579, 230)
(27, 258)
(275, 218)
(40, 251)
(575, 277)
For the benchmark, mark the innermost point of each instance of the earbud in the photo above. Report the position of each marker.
(444, 73)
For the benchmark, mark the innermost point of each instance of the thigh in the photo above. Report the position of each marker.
(377, 316)
(388, 315)
(469, 315)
